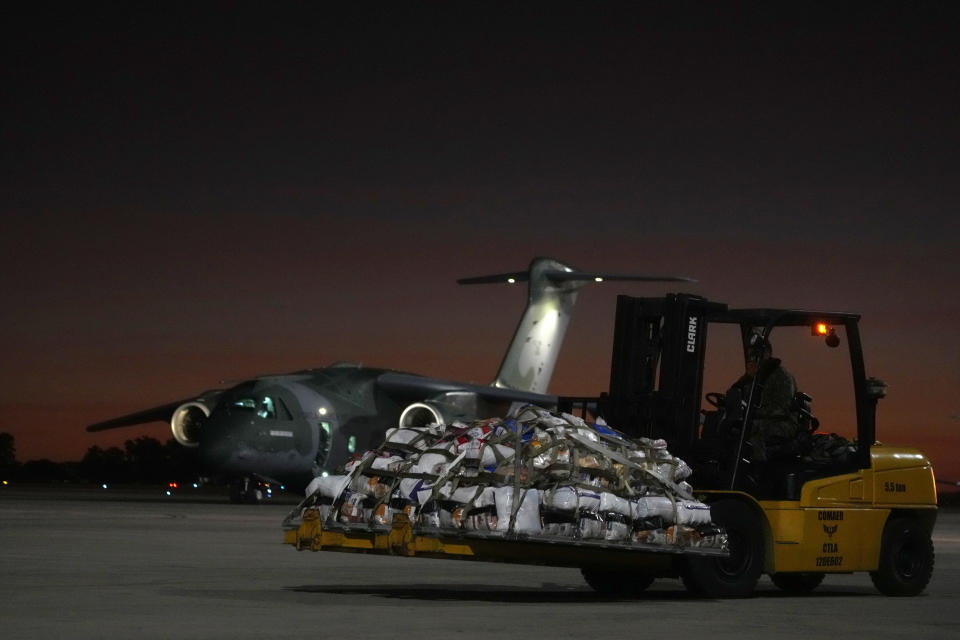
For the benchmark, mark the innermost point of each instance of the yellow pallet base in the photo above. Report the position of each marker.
(402, 540)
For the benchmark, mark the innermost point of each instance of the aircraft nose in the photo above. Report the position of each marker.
(216, 444)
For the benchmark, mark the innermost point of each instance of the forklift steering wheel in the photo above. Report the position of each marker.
(716, 399)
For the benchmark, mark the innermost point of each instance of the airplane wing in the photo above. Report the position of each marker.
(418, 387)
(163, 413)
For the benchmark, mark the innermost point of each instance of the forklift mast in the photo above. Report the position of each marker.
(656, 374)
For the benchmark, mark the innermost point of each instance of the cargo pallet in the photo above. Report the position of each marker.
(402, 538)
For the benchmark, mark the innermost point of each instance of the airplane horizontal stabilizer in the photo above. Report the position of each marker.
(575, 276)
(501, 278)
(570, 276)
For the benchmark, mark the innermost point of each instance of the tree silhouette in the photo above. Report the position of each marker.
(110, 465)
(8, 451)
(145, 460)
(142, 460)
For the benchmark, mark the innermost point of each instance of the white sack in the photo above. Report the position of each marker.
(592, 527)
(390, 463)
(616, 504)
(329, 486)
(415, 490)
(528, 515)
(651, 507)
(406, 436)
(616, 530)
(489, 457)
(569, 498)
(692, 512)
(433, 463)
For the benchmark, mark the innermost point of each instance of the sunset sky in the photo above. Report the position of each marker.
(194, 197)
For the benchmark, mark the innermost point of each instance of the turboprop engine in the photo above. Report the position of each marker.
(188, 420)
(420, 414)
(447, 407)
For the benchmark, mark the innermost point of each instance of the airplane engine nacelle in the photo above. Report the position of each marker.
(420, 414)
(187, 421)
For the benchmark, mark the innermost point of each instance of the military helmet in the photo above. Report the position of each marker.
(757, 346)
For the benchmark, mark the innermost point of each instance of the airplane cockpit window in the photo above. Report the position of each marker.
(246, 404)
(264, 408)
(267, 409)
(282, 411)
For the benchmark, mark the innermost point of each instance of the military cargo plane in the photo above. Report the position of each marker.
(289, 428)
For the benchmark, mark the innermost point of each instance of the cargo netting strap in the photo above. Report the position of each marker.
(667, 485)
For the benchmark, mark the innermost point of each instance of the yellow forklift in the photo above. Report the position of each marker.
(800, 514)
(797, 516)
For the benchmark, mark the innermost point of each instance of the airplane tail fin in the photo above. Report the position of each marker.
(551, 295)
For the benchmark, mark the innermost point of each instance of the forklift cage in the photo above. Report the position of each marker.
(668, 336)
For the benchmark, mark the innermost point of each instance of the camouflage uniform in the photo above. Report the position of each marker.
(774, 429)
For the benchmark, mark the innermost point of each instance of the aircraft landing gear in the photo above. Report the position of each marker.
(247, 491)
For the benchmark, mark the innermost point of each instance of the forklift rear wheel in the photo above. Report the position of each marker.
(620, 584)
(906, 558)
(797, 583)
(735, 576)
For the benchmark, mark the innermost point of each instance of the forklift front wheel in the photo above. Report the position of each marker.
(619, 584)
(735, 576)
(906, 558)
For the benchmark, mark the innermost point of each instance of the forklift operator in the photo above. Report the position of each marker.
(774, 429)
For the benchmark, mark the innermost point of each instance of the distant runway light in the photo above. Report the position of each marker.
(598, 279)
(5, 483)
(104, 485)
(196, 486)
(168, 493)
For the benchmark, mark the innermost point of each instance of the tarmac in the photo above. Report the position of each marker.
(83, 563)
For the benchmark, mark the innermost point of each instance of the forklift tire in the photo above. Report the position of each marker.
(906, 558)
(617, 584)
(797, 583)
(737, 575)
